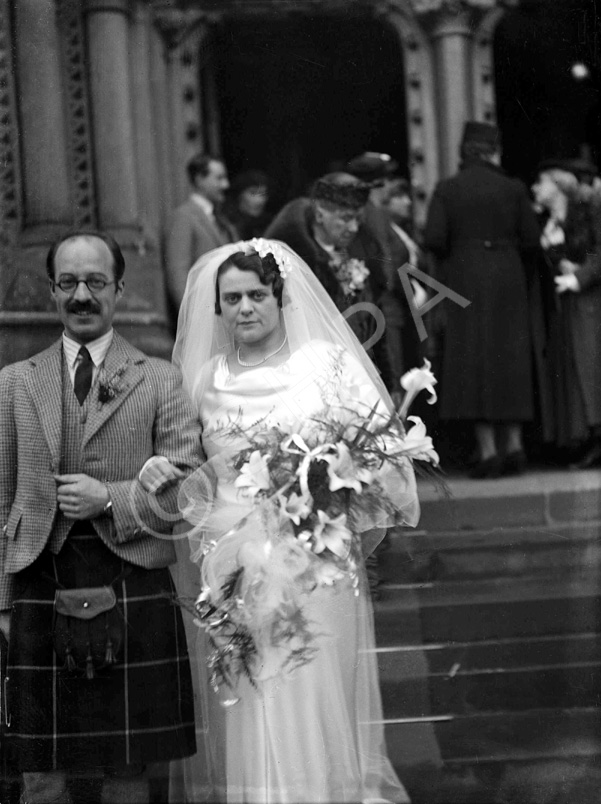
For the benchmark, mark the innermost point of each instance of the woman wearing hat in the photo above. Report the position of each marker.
(571, 244)
(245, 206)
(479, 223)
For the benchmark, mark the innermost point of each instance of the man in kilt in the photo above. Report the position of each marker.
(98, 680)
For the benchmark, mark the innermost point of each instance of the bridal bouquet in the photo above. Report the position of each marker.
(321, 497)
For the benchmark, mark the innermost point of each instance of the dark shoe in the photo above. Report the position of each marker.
(592, 457)
(515, 463)
(491, 467)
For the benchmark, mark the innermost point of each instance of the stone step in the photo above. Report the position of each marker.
(487, 754)
(488, 609)
(499, 690)
(491, 553)
(448, 658)
(536, 498)
(507, 736)
(512, 674)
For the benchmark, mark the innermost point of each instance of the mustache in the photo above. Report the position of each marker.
(83, 307)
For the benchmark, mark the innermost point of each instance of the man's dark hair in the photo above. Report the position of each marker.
(200, 165)
(266, 268)
(118, 259)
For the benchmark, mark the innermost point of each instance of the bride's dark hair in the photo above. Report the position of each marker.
(266, 268)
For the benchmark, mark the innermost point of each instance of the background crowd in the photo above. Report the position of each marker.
(519, 375)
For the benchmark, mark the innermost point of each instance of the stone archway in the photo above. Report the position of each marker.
(300, 95)
(194, 116)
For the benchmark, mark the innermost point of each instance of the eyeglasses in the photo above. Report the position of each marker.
(95, 284)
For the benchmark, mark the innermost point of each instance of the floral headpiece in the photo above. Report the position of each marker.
(264, 247)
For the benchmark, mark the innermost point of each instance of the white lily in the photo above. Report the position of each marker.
(254, 475)
(343, 472)
(296, 506)
(414, 381)
(418, 444)
(332, 534)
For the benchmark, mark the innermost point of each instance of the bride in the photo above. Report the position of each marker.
(262, 349)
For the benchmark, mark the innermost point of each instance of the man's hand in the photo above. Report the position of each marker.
(81, 496)
(158, 474)
(5, 623)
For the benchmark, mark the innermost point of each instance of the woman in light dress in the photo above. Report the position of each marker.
(261, 345)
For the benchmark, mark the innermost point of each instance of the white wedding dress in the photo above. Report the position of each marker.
(315, 735)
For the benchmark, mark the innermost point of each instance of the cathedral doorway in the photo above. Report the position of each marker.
(300, 95)
(547, 73)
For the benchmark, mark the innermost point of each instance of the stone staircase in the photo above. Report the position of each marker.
(489, 637)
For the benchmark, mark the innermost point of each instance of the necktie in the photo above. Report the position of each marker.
(83, 375)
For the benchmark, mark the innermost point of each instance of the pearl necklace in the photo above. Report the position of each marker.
(263, 359)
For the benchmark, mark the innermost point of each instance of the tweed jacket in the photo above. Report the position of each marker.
(191, 234)
(147, 414)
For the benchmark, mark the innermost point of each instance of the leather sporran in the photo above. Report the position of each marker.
(88, 629)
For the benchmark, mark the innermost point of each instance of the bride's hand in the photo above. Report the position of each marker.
(158, 474)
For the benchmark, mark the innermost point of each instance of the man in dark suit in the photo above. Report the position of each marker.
(98, 671)
(198, 225)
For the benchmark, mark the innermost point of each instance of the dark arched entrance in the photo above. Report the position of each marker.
(299, 93)
(543, 110)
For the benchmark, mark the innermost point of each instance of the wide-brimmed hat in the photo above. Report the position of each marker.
(372, 166)
(481, 133)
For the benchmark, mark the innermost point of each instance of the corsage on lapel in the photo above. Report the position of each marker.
(109, 387)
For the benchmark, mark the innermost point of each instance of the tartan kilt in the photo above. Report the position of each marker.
(137, 711)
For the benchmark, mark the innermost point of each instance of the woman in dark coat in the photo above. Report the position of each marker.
(571, 243)
(479, 223)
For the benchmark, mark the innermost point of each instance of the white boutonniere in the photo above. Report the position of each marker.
(351, 274)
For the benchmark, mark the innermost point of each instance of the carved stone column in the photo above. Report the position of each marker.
(451, 35)
(451, 25)
(43, 134)
(184, 35)
(149, 186)
(108, 53)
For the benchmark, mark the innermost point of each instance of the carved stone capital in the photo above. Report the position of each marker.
(175, 25)
(108, 6)
(469, 12)
(457, 6)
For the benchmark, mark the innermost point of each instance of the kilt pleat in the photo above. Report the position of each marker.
(139, 710)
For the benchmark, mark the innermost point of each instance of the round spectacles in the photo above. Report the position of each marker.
(68, 284)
